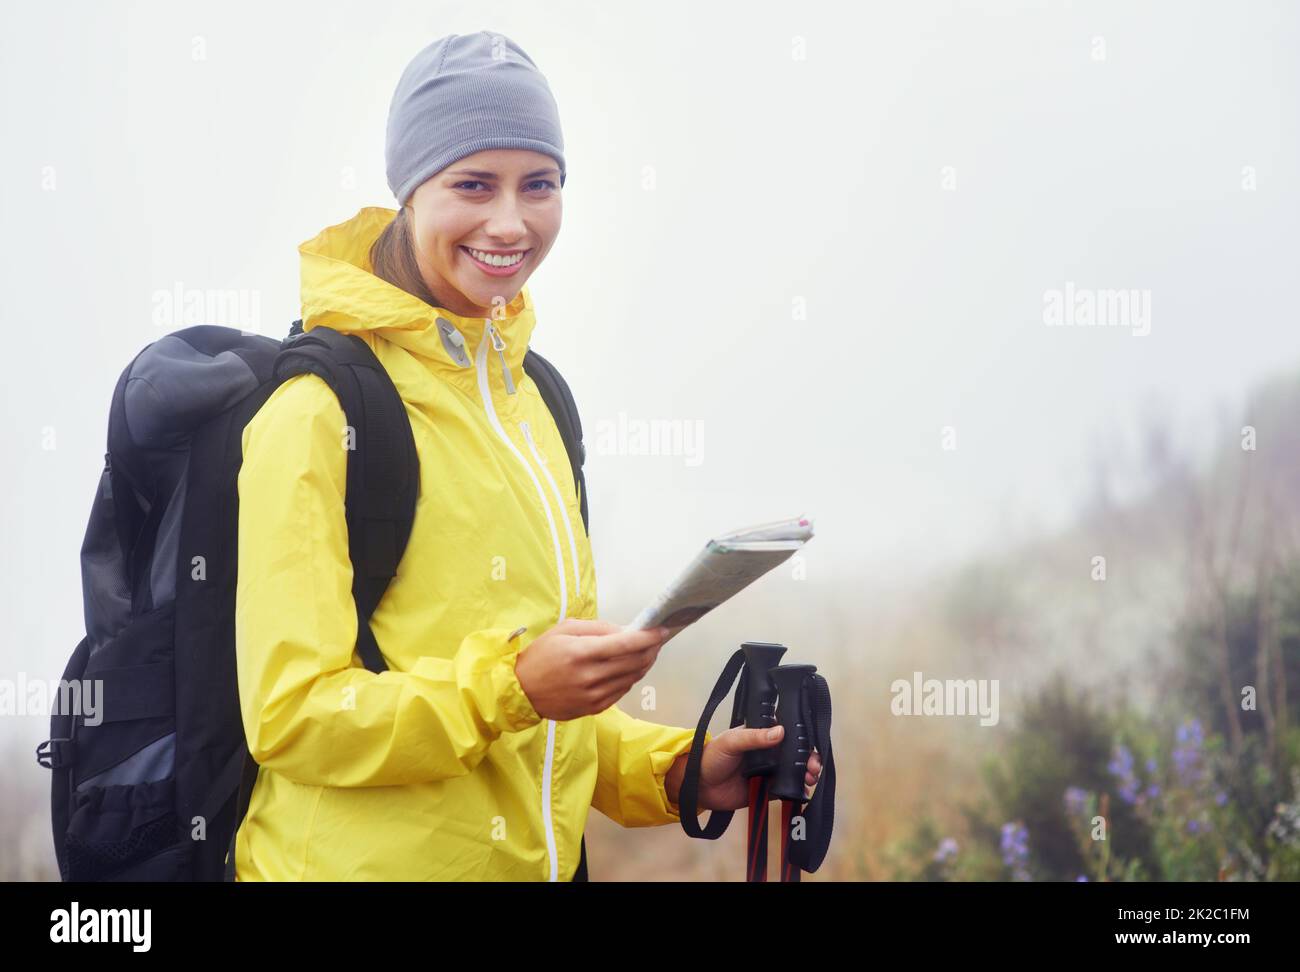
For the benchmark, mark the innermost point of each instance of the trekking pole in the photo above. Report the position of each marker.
(787, 781)
(789, 873)
(756, 698)
(799, 699)
(756, 839)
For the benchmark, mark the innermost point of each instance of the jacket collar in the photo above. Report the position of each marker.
(340, 290)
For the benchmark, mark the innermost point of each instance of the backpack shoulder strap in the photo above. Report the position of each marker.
(383, 467)
(383, 482)
(559, 399)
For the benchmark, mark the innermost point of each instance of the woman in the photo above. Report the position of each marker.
(479, 753)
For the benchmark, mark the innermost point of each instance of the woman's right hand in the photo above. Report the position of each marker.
(582, 667)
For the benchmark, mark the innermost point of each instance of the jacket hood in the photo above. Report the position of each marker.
(340, 290)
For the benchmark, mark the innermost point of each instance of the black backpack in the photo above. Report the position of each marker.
(153, 783)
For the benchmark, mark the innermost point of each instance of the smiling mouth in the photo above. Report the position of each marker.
(497, 261)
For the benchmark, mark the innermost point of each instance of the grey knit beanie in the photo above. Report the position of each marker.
(462, 94)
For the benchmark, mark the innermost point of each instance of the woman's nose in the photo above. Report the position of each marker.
(506, 222)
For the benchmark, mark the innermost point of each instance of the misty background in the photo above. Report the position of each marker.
(820, 234)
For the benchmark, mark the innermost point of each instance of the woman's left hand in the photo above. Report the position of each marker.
(721, 785)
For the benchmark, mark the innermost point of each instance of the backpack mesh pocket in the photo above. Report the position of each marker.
(115, 828)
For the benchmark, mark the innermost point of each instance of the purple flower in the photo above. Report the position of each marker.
(1081, 877)
(1121, 763)
(1015, 850)
(1221, 798)
(947, 850)
(1076, 801)
(1187, 754)
(1121, 767)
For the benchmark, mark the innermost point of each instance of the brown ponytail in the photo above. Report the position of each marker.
(392, 258)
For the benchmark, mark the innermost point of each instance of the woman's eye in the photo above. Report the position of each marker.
(475, 182)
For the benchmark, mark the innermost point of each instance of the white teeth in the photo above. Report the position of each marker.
(494, 260)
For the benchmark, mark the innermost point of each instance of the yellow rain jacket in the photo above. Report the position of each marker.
(439, 769)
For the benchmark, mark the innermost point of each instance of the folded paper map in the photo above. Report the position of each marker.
(727, 565)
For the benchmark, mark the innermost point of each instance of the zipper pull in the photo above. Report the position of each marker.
(453, 342)
(500, 345)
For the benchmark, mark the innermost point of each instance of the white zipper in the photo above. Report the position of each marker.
(485, 391)
(559, 503)
(499, 343)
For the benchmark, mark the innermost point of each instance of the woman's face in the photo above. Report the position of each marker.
(498, 201)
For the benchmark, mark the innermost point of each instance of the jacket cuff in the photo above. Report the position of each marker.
(484, 672)
(661, 761)
(517, 710)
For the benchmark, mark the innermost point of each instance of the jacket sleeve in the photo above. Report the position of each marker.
(308, 711)
(634, 757)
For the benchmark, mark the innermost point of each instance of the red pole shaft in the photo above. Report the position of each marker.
(756, 837)
(789, 871)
